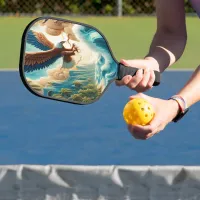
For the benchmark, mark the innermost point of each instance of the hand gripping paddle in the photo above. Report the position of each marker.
(68, 61)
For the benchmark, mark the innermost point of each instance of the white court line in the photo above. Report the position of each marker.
(8, 70)
(178, 70)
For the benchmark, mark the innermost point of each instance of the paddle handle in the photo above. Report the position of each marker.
(124, 71)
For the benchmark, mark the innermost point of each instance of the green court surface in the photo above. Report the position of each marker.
(129, 38)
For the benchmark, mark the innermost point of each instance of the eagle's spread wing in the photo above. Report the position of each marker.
(39, 40)
(40, 60)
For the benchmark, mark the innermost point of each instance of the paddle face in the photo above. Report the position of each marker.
(66, 61)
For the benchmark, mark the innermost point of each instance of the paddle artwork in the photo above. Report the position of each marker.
(68, 61)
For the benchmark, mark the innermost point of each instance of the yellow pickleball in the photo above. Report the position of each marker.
(138, 112)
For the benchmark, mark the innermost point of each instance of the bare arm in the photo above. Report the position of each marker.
(170, 38)
(167, 110)
(191, 91)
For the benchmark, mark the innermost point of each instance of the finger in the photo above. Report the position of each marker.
(140, 89)
(142, 130)
(156, 131)
(150, 129)
(155, 123)
(156, 127)
(151, 79)
(138, 132)
(143, 83)
(136, 79)
(135, 135)
(124, 81)
(138, 95)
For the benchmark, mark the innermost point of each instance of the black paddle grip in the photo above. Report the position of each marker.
(124, 71)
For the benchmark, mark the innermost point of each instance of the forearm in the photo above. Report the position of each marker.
(170, 38)
(191, 91)
(167, 48)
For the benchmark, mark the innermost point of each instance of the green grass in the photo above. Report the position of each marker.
(128, 37)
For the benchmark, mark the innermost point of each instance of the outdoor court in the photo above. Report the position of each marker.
(39, 131)
(36, 133)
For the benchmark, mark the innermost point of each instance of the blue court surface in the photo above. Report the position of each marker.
(34, 130)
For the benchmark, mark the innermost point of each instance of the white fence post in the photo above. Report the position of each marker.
(119, 8)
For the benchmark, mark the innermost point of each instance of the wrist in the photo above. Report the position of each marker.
(163, 56)
(175, 108)
(182, 107)
(154, 63)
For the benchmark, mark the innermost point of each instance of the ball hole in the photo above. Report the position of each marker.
(146, 115)
(142, 109)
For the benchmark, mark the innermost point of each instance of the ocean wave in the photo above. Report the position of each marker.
(106, 67)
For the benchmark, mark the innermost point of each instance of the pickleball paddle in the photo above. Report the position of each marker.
(68, 61)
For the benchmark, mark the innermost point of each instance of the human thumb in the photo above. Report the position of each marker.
(138, 95)
(134, 63)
